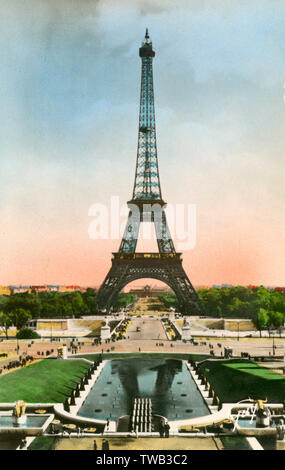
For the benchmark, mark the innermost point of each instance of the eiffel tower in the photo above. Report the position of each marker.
(147, 205)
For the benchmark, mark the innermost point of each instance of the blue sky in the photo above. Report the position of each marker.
(69, 89)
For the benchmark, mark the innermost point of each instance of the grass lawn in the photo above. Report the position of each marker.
(239, 379)
(47, 381)
(43, 443)
(235, 443)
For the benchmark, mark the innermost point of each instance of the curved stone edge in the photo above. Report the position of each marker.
(203, 421)
(74, 418)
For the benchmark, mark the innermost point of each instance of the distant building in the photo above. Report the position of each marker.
(53, 288)
(50, 324)
(280, 289)
(69, 288)
(20, 289)
(39, 289)
(148, 291)
(221, 286)
(5, 290)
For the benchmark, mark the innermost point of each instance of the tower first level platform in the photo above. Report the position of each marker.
(165, 267)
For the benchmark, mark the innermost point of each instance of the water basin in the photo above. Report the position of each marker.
(31, 422)
(167, 382)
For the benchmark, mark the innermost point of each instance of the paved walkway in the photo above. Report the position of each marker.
(149, 329)
(132, 443)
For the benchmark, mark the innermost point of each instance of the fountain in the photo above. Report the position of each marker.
(141, 418)
(254, 414)
(19, 412)
(262, 415)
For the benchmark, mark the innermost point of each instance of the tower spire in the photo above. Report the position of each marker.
(147, 192)
(147, 183)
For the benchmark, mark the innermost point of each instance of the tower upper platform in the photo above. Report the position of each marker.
(146, 48)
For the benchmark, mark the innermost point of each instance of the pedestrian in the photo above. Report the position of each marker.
(166, 429)
(94, 445)
(161, 429)
(105, 444)
(107, 425)
(23, 443)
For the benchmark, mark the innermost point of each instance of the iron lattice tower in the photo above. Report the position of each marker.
(147, 205)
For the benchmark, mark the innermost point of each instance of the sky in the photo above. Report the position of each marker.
(69, 91)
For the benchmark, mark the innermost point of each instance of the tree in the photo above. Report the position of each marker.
(263, 297)
(4, 299)
(123, 299)
(211, 300)
(19, 317)
(276, 321)
(77, 304)
(89, 298)
(238, 307)
(277, 302)
(262, 319)
(48, 309)
(26, 301)
(5, 322)
(170, 300)
(27, 333)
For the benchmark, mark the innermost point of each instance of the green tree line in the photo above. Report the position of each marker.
(264, 307)
(17, 309)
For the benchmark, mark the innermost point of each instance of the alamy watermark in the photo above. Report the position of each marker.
(110, 222)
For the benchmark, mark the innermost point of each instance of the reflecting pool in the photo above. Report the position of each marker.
(167, 382)
(31, 422)
(251, 423)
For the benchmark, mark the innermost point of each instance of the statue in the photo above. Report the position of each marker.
(105, 331)
(186, 331)
(19, 412)
(262, 414)
(280, 430)
(186, 322)
(62, 352)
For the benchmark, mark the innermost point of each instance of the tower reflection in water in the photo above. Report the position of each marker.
(129, 374)
(166, 381)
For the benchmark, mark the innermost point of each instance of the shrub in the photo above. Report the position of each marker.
(26, 333)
